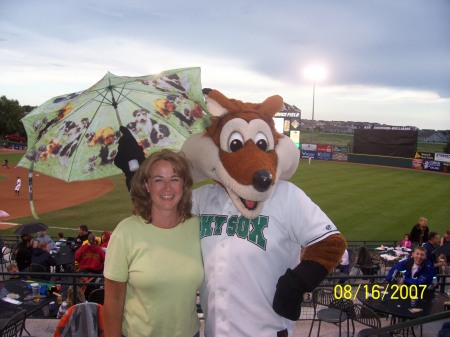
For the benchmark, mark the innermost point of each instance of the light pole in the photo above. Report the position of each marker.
(315, 72)
(314, 94)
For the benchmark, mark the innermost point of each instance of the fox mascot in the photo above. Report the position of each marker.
(264, 242)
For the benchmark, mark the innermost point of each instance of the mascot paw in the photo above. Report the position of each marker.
(293, 284)
(288, 296)
(128, 150)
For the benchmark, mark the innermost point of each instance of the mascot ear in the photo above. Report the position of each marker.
(213, 104)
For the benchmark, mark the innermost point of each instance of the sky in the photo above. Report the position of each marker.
(386, 61)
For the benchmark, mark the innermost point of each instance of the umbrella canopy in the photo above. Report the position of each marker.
(3, 214)
(75, 136)
(31, 228)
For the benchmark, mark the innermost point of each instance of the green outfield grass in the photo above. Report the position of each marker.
(365, 202)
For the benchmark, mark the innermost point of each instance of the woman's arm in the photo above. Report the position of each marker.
(113, 307)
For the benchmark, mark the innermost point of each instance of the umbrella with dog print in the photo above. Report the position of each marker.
(75, 137)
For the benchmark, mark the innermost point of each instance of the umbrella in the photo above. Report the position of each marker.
(75, 136)
(31, 228)
(3, 214)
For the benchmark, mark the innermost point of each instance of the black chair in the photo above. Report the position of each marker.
(15, 325)
(332, 313)
(37, 268)
(366, 316)
(97, 296)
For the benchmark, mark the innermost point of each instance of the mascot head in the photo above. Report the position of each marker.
(242, 151)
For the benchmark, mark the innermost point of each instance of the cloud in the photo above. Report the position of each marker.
(390, 53)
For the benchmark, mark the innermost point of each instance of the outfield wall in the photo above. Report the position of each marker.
(379, 160)
(438, 162)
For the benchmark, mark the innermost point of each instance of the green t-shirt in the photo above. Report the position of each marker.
(163, 269)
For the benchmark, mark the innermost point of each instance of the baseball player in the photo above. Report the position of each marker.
(18, 185)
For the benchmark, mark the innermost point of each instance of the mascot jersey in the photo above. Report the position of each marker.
(243, 258)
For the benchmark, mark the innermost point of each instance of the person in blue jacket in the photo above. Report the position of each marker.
(416, 270)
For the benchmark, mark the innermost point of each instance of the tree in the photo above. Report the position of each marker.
(447, 147)
(10, 115)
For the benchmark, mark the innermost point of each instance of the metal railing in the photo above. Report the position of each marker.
(404, 325)
(63, 279)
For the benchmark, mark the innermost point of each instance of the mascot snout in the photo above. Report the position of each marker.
(262, 180)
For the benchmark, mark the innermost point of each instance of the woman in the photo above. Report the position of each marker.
(153, 265)
(91, 257)
(105, 239)
(41, 255)
(24, 252)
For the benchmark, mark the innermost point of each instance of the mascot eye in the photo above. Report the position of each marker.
(261, 141)
(235, 142)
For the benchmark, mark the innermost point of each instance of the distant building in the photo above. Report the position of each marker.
(432, 136)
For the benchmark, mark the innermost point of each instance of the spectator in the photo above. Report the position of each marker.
(83, 234)
(438, 261)
(446, 241)
(406, 242)
(366, 262)
(416, 270)
(24, 252)
(12, 268)
(419, 233)
(65, 305)
(91, 257)
(41, 255)
(44, 237)
(141, 290)
(105, 239)
(344, 265)
(61, 240)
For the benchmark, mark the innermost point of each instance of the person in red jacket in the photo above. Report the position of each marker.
(105, 239)
(91, 257)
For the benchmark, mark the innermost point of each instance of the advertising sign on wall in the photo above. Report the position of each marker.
(432, 165)
(340, 156)
(323, 155)
(340, 149)
(324, 148)
(417, 164)
(307, 154)
(309, 147)
(295, 136)
(424, 155)
(442, 157)
(446, 167)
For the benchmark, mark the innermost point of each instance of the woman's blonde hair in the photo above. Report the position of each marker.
(142, 203)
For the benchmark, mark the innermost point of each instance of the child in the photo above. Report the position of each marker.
(405, 243)
(12, 268)
(69, 301)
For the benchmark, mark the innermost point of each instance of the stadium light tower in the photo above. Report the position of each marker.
(315, 73)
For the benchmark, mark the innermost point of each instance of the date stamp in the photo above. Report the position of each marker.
(378, 292)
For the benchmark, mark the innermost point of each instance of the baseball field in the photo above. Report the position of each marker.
(366, 202)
